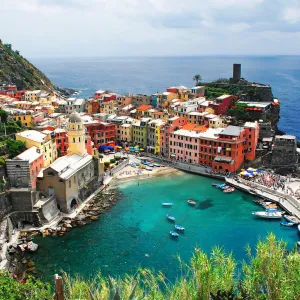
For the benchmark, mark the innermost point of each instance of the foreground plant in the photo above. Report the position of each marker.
(271, 273)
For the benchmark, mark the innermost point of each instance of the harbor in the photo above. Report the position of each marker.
(136, 231)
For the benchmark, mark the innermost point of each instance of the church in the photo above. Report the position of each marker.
(73, 177)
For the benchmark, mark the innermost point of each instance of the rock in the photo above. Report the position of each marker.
(32, 246)
(32, 269)
(30, 264)
(94, 218)
(25, 261)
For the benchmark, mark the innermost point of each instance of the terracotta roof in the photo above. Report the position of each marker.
(144, 107)
(194, 127)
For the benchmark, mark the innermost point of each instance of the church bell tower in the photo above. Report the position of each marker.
(76, 135)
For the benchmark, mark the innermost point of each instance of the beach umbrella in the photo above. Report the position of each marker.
(142, 149)
(258, 171)
(126, 149)
(247, 175)
(255, 173)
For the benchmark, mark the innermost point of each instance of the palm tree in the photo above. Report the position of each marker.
(197, 78)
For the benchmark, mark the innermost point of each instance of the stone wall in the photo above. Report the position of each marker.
(18, 173)
(22, 199)
(5, 205)
(48, 210)
(31, 217)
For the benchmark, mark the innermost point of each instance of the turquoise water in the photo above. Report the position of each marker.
(137, 225)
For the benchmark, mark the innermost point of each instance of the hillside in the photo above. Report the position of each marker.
(15, 69)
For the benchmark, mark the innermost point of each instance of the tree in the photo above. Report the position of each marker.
(197, 78)
(3, 116)
(14, 148)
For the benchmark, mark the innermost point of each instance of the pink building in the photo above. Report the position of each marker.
(35, 159)
(172, 124)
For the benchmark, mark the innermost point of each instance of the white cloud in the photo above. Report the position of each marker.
(149, 27)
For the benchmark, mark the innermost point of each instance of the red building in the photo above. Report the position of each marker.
(222, 104)
(101, 133)
(19, 94)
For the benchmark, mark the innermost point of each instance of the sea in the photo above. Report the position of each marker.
(135, 232)
(147, 75)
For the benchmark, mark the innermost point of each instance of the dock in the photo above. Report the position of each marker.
(287, 202)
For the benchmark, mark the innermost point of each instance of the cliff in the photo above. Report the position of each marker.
(15, 69)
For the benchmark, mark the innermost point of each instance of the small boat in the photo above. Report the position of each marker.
(298, 228)
(258, 201)
(173, 234)
(171, 218)
(268, 215)
(214, 184)
(291, 219)
(265, 203)
(191, 202)
(225, 187)
(162, 165)
(219, 186)
(167, 204)
(179, 227)
(288, 224)
(149, 168)
(298, 243)
(156, 165)
(229, 190)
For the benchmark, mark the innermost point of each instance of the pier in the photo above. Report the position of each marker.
(287, 202)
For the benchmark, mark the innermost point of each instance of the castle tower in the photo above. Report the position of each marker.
(76, 135)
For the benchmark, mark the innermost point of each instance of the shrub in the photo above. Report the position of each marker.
(117, 158)
(112, 161)
(106, 164)
(100, 156)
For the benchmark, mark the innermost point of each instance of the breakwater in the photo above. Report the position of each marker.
(287, 202)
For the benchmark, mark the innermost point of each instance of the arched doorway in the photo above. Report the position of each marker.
(74, 203)
(51, 191)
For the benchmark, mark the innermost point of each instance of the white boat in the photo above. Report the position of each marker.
(167, 204)
(298, 228)
(291, 219)
(268, 215)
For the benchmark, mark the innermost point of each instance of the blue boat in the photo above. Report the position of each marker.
(173, 234)
(225, 187)
(167, 204)
(171, 218)
(219, 186)
(179, 227)
(288, 224)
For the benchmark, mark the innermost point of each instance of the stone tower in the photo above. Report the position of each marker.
(237, 72)
(76, 135)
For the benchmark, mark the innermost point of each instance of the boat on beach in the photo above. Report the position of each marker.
(229, 190)
(179, 227)
(298, 228)
(173, 234)
(156, 165)
(268, 215)
(191, 202)
(167, 204)
(171, 218)
(288, 224)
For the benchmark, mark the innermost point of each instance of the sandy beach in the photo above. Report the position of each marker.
(133, 173)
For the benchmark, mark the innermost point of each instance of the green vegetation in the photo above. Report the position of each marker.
(100, 156)
(3, 116)
(32, 289)
(14, 147)
(270, 274)
(112, 161)
(106, 164)
(15, 69)
(197, 78)
(211, 92)
(117, 158)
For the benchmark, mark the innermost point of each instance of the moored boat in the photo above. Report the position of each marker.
(288, 224)
(229, 190)
(191, 202)
(219, 186)
(268, 215)
(167, 204)
(291, 219)
(225, 187)
(171, 218)
(298, 228)
(173, 234)
(156, 165)
(179, 227)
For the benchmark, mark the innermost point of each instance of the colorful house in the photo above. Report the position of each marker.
(140, 132)
(142, 111)
(23, 169)
(154, 135)
(44, 141)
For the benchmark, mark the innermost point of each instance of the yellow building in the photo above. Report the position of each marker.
(32, 95)
(25, 118)
(43, 141)
(108, 107)
(23, 104)
(76, 135)
(154, 135)
(216, 122)
(125, 134)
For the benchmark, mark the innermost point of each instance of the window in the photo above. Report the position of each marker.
(50, 174)
(73, 140)
(70, 183)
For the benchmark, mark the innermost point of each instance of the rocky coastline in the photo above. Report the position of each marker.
(20, 257)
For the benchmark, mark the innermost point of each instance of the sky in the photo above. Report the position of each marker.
(89, 28)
